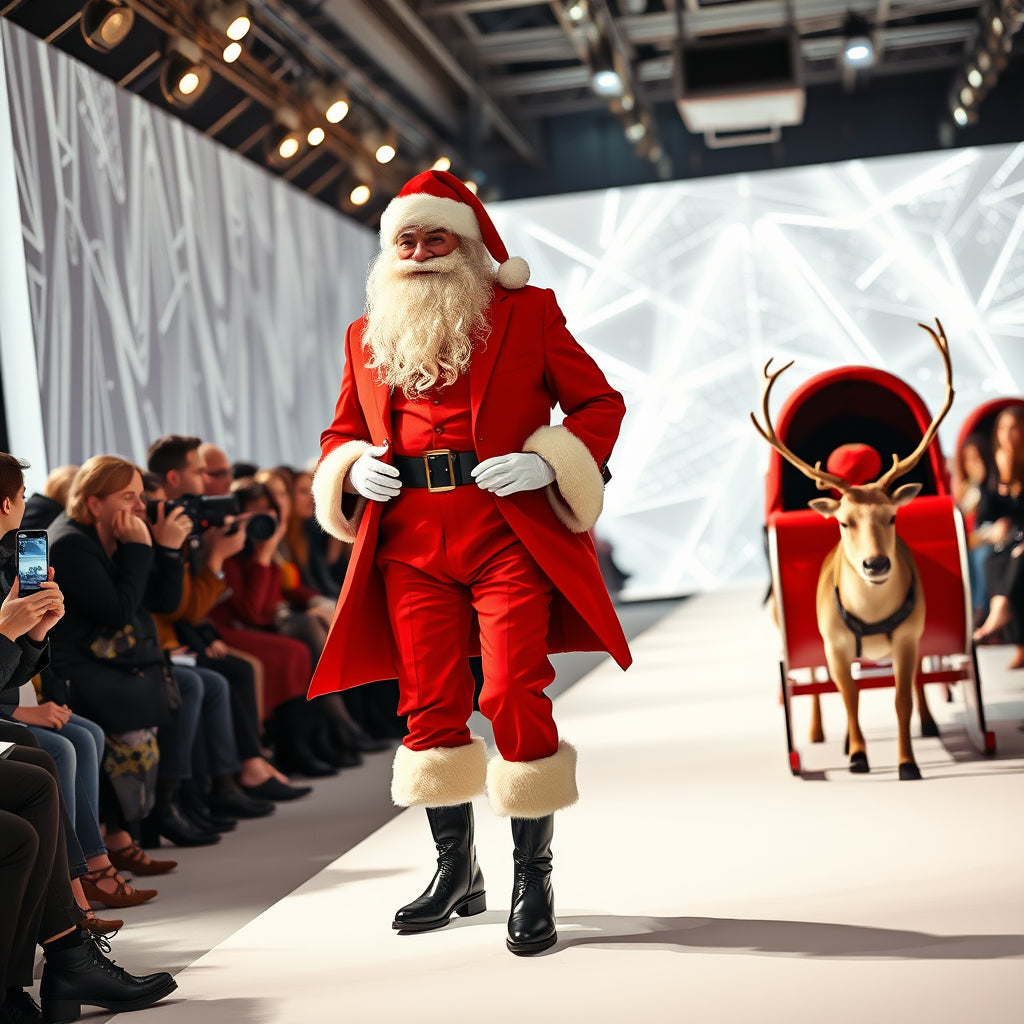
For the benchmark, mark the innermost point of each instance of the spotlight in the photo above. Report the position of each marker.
(232, 52)
(360, 195)
(858, 50)
(605, 79)
(330, 101)
(183, 75)
(577, 10)
(442, 163)
(285, 138)
(966, 96)
(975, 77)
(635, 131)
(472, 186)
(106, 23)
(231, 18)
(316, 135)
(383, 144)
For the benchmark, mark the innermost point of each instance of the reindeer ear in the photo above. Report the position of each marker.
(905, 494)
(824, 506)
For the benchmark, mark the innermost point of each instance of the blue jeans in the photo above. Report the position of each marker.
(77, 750)
(976, 575)
(214, 751)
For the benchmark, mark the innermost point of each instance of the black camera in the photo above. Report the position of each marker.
(203, 510)
(206, 511)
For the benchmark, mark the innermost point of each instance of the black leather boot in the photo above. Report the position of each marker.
(294, 727)
(83, 974)
(458, 884)
(531, 925)
(168, 820)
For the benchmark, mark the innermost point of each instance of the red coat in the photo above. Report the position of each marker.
(529, 364)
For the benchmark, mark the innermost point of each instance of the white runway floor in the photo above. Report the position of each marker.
(697, 880)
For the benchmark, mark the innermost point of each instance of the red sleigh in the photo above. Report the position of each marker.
(866, 405)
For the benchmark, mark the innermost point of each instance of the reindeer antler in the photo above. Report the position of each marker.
(902, 466)
(822, 479)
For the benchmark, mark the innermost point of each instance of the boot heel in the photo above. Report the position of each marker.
(60, 1011)
(475, 905)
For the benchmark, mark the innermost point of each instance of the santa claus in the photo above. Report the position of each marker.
(470, 516)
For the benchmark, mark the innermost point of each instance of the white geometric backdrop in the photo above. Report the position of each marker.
(176, 287)
(683, 290)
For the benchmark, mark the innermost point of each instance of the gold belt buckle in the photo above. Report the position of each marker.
(447, 452)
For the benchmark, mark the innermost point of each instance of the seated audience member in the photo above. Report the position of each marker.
(217, 474)
(973, 471)
(320, 558)
(106, 650)
(24, 650)
(39, 907)
(256, 600)
(1002, 505)
(243, 470)
(175, 460)
(42, 509)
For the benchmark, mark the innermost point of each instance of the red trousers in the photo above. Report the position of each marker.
(444, 556)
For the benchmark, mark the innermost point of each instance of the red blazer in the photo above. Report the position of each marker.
(529, 364)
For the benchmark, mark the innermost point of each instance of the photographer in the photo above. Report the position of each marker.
(175, 461)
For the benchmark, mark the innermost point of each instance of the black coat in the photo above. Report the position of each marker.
(106, 649)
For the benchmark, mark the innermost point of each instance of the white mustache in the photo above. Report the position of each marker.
(435, 265)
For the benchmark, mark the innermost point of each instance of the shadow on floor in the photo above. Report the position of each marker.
(813, 939)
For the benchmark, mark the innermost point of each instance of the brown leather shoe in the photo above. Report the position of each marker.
(122, 896)
(105, 926)
(134, 859)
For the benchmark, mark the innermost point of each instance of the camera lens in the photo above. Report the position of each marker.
(261, 526)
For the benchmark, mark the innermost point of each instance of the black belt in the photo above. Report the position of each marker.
(438, 470)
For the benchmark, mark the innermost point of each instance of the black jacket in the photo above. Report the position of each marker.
(105, 649)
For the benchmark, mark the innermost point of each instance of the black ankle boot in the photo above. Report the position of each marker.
(19, 1008)
(83, 974)
(196, 808)
(458, 884)
(531, 925)
(294, 725)
(168, 820)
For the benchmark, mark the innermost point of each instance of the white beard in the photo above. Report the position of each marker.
(423, 318)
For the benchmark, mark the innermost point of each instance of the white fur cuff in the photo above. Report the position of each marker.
(533, 789)
(328, 490)
(578, 492)
(439, 777)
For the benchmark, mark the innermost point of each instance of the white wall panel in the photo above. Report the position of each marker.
(683, 290)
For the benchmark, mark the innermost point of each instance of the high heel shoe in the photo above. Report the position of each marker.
(123, 894)
(134, 859)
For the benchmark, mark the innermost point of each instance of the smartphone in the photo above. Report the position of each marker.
(33, 561)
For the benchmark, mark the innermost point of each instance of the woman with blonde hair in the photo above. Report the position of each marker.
(117, 569)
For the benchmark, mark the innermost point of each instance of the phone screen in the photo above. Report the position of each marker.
(32, 562)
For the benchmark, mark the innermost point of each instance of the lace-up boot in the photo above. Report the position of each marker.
(458, 884)
(531, 925)
(82, 973)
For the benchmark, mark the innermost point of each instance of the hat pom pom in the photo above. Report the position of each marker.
(514, 273)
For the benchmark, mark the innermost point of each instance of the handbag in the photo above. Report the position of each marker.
(130, 762)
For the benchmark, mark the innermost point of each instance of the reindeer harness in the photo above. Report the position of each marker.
(860, 629)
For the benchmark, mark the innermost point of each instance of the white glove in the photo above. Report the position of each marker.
(506, 474)
(372, 478)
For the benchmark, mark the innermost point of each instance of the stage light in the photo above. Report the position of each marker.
(472, 186)
(383, 143)
(975, 77)
(232, 52)
(231, 18)
(606, 82)
(966, 96)
(330, 101)
(577, 10)
(636, 131)
(285, 137)
(442, 163)
(316, 135)
(183, 75)
(858, 50)
(106, 23)
(360, 195)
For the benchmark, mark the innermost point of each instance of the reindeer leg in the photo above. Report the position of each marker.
(929, 727)
(817, 732)
(839, 668)
(904, 660)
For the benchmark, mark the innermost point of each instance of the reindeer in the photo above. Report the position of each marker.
(869, 600)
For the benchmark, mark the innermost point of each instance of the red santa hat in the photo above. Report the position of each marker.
(857, 464)
(438, 199)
